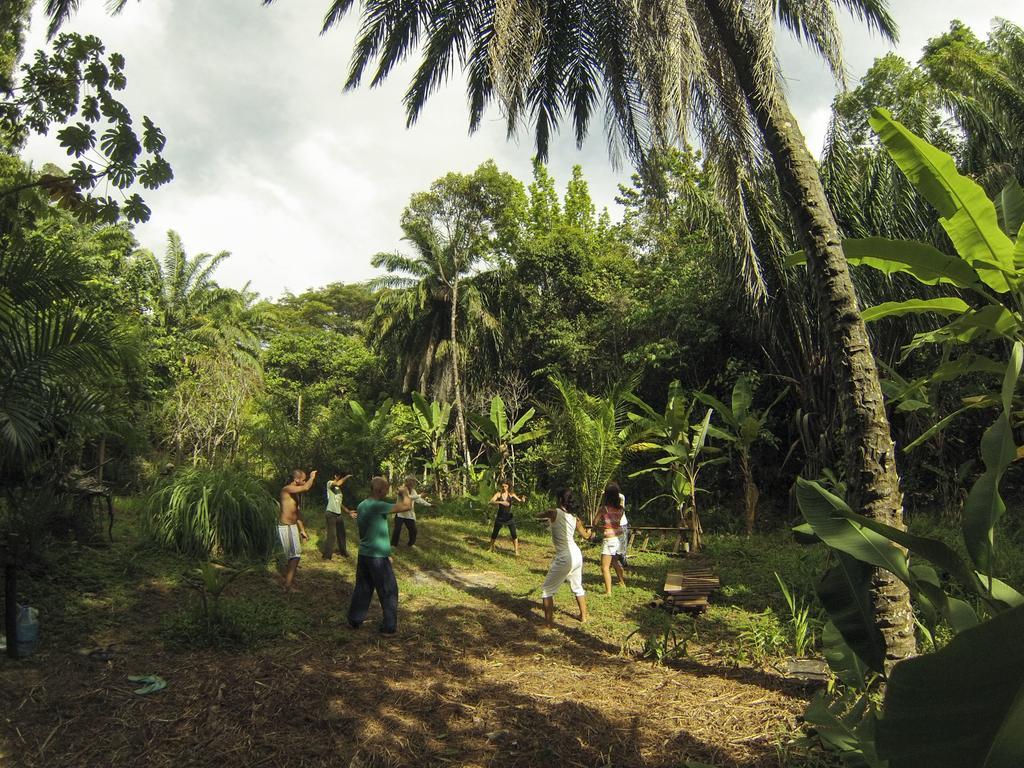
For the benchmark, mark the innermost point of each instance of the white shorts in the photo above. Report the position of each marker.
(290, 543)
(612, 546)
(565, 567)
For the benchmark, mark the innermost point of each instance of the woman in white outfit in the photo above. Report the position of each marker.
(568, 561)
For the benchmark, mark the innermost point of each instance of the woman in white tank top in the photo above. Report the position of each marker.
(567, 564)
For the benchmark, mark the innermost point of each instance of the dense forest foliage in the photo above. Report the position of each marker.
(516, 332)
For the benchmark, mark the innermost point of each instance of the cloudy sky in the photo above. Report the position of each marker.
(303, 183)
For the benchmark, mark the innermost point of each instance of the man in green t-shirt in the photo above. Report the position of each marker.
(373, 569)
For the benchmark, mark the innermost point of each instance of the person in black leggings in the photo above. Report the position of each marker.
(504, 499)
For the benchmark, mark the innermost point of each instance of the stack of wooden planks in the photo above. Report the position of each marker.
(688, 590)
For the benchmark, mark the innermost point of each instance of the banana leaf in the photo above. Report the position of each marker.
(960, 706)
(967, 215)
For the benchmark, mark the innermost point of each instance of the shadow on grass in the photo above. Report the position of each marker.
(476, 682)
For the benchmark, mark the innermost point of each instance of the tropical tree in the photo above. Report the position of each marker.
(432, 419)
(662, 68)
(435, 309)
(500, 435)
(743, 428)
(982, 86)
(593, 434)
(920, 716)
(189, 306)
(685, 450)
(56, 360)
(78, 80)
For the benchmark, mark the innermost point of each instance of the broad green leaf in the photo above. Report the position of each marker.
(844, 592)
(947, 305)
(1018, 249)
(498, 416)
(966, 363)
(1003, 592)
(958, 613)
(934, 551)
(848, 730)
(834, 523)
(742, 397)
(967, 215)
(521, 421)
(844, 663)
(804, 534)
(924, 262)
(723, 410)
(940, 425)
(992, 320)
(1010, 208)
(985, 506)
(960, 706)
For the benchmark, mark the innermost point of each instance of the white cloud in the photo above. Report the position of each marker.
(304, 183)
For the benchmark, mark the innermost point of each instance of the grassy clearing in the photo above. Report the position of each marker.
(472, 679)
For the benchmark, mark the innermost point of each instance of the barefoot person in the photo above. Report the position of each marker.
(504, 516)
(408, 519)
(567, 563)
(333, 516)
(290, 528)
(609, 517)
(373, 570)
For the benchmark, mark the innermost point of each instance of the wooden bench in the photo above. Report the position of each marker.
(688, 590)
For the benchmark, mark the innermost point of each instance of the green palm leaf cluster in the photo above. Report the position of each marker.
(412, 317)
(982, 86)
(594, 434)
(200, 512)
(188, 303)
(53, 355)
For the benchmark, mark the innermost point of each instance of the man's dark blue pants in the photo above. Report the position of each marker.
(374, 574)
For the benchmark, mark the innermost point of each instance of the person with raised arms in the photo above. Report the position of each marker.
(504, 516)
(291, 529)
(373, 568)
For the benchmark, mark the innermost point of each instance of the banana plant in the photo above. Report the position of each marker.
(685, 449)
(500, 435)
(432, 419)
(372, 432)
(964, 704)
(743, 428)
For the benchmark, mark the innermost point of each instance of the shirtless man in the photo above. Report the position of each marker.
(290, 527)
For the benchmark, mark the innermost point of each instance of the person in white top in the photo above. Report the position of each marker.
(567, 563)
(408, 519)
(333, 516)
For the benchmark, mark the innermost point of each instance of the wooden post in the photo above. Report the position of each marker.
(11, 596)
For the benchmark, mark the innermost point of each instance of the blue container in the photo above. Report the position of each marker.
(28, 630)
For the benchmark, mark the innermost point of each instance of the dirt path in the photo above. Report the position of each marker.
(473, 679)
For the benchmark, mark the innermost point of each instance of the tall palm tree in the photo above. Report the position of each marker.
(430, 310)
(663, 67)
(982, 86)
(188, 303)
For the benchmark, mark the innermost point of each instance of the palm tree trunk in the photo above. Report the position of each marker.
(460, 419)
(870, 455)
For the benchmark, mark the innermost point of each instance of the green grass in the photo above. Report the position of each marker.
(458, 601)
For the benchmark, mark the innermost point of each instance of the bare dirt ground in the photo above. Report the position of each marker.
(472, 679)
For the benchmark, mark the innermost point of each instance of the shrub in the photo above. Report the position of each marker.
(200, 511)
